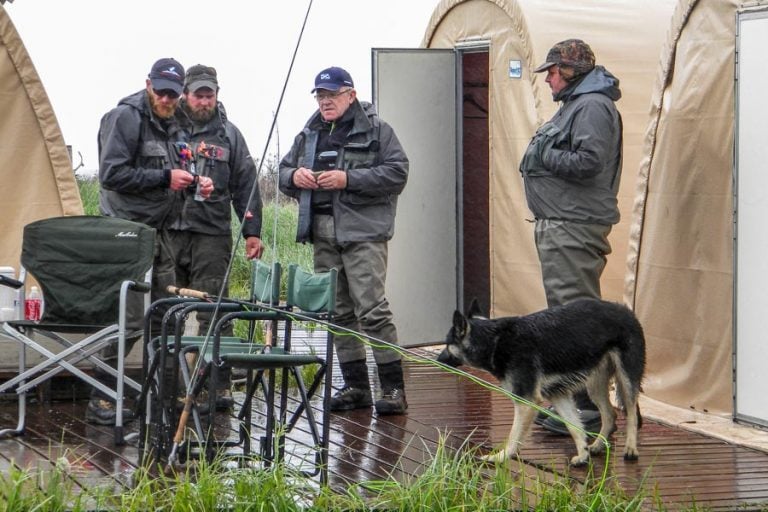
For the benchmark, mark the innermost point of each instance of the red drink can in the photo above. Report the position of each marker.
(32, 309)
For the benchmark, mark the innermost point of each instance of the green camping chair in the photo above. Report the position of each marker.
(310, 296)
(161, 415)
(88, 268)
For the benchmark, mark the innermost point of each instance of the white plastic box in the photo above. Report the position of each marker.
(9, 307)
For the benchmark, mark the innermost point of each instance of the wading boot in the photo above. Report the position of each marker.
(392, 399)
(356, 393)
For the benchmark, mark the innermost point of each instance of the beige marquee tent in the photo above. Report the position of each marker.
(626, 36)
(35, 168)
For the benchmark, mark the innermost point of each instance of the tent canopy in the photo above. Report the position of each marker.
(680, 276)
(35, 168)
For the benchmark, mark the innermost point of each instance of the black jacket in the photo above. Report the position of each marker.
(221, 153)
(136, 155)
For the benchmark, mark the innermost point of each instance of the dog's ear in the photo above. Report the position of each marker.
(474, 309)
(459, 325)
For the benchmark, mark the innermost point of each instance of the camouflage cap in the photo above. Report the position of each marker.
(574, 53)
(199, 76)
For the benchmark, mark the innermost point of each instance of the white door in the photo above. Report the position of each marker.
(751, 200)
(415, 92)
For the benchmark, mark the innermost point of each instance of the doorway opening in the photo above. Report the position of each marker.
(475, 246)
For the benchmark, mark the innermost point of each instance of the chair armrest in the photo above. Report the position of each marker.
(10, 282)
(140, 286)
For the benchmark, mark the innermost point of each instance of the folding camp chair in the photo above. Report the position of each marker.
(158, 403)
(86, 266)
(309, 297)
(161, 415)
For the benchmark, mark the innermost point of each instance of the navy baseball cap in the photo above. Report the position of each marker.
(333, 79)
(167, 74)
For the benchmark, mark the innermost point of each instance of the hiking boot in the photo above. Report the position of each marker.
(590, 420)
(224, 400)
(103, 412)
(201, 403)
(392, 402)
(349, 398)
(541, 416)
(449, 359)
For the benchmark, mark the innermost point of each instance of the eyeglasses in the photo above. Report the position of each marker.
(330, 95)
(166, 92)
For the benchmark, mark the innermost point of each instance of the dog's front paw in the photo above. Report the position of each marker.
(597, 447)
(496, 457)
(579, 460)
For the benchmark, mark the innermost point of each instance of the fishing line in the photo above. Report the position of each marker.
(408, 355)
(255, 186)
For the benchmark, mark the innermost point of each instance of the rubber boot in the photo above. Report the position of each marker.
(588, 413)
(356, 393)
(392, 399)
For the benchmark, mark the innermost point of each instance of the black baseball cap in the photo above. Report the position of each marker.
(167, 73)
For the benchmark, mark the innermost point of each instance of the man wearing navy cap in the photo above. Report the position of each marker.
(347, 168)
(141, 175)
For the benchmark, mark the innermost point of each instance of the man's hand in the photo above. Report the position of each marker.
(181, 179)
(206, 186)
(304, 178)
(253, 247)
(332, 180)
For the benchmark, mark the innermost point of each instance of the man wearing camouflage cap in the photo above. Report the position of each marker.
(571, 172)
(199, 239)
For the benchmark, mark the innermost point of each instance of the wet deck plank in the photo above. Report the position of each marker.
(674, 463)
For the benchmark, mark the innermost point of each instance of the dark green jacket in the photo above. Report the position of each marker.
(572, 166)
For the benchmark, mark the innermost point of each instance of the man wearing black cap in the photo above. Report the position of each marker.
(347, 168)
(200, 237)
(571, 171)
(140, 176)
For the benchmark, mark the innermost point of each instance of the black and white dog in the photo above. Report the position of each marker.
(551, 355)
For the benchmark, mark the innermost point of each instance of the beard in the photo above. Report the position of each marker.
(162, 110)
(200, 115)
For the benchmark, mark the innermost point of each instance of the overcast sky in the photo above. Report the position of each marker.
(89, 54)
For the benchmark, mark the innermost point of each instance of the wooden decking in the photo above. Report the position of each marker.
(675, 464)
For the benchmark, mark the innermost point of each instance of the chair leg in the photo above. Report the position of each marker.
(22, 399)
(267, 440)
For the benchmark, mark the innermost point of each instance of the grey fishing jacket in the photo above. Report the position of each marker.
(136, 155)
(221, 153)
(377, 171)
(572, 166)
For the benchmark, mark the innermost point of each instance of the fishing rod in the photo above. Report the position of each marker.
(179, 435)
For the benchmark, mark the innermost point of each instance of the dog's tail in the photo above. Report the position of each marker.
(630, 365)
